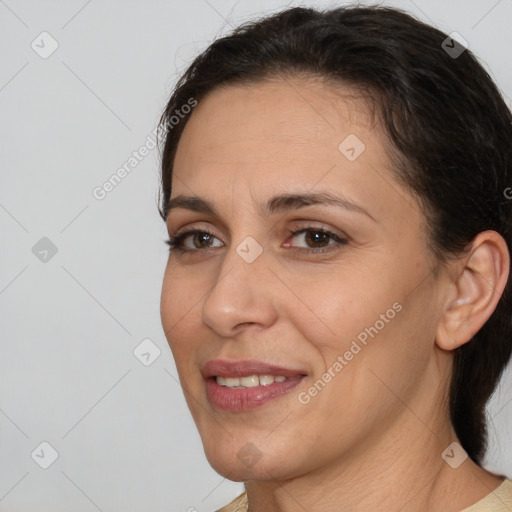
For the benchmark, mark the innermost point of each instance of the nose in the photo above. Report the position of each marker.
(241, 296)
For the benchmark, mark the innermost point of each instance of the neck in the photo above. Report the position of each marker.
(401, 470)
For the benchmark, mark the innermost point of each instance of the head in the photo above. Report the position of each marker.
(409, 286)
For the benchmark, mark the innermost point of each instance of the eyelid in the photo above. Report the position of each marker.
(321, 226)
(197, 225)
(194, 221)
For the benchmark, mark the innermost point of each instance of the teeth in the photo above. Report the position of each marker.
(232, 382)
(250, 381)
(265, 380)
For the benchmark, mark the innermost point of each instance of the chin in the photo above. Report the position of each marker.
(233, 471)
(249, 463)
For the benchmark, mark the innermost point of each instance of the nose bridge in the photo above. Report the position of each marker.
(241, 293)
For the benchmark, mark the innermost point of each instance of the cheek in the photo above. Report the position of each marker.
(366, 319)
(182, 290)
(168, 303)
(336, 307)
(178, 311)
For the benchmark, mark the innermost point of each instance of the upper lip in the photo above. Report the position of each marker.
(226, 368)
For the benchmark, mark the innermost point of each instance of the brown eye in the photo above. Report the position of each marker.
(201, 238)
(193, 241)
(316, 238)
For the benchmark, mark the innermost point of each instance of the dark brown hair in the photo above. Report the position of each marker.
(444, 117)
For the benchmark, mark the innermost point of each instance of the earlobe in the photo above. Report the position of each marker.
(478, 286)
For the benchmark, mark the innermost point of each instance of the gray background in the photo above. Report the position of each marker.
(70, 323)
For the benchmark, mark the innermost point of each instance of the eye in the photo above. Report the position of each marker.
(316, 239)
(192, 241)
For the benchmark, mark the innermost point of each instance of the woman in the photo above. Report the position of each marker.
(337, 295)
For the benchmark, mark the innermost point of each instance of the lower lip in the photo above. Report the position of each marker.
(229, 399)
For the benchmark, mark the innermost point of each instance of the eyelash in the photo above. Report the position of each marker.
(176, 242)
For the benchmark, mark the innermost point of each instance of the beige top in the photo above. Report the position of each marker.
(499, 500)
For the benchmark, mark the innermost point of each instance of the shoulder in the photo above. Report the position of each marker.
(239, 504)
(499, 500)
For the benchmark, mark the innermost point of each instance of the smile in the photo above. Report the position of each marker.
(244, 385)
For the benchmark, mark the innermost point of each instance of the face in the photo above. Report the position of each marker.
(301, 257)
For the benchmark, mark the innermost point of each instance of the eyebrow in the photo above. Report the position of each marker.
(277, 204)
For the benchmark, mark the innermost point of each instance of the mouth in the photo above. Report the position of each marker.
(244, 385)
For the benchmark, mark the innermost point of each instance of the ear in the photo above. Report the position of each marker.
(478, 283)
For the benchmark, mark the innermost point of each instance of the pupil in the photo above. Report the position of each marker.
(316, 237)
(202, 238)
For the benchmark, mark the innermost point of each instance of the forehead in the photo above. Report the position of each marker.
(273, 119)
(293, 134)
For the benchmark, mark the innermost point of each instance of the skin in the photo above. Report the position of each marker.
(372, 438)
